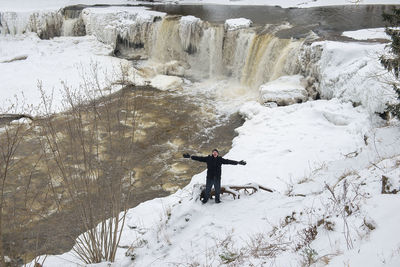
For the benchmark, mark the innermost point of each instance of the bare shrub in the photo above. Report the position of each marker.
(306, 236)
(344, 206)
(262, 246)
(87, 152)
(161, 227)
(309, 257)
(18, 194)
(346, 175)
(228, 253)
(138, 243)
(328, 225)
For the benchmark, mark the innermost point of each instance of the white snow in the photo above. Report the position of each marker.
(24, 6)
(189, 19)
(352, 71)
(285, 90)
(53, 63)
(366, 34)
(238, 23)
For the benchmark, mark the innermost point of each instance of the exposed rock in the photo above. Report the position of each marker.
(387, 187)
(7, 118)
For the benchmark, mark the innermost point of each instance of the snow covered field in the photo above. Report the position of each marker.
(23, 5)
(53, 63)
(325, 160)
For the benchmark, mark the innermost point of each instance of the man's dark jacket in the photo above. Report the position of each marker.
(214, 164)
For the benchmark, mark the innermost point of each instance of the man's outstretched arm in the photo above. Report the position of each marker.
(202, 159)
(233, 162)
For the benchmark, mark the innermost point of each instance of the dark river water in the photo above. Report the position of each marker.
(325, 21)
(322, 20)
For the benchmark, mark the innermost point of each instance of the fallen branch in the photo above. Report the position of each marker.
(23, 57)
(233, 190)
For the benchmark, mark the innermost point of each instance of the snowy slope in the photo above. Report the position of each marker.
(53, 63)
(295, 150)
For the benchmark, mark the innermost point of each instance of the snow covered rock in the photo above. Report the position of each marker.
(190, 32)
(284, 91)
(367, 34)
(173, 67)
(133, 25)
(47, 24)
(239, 23)
(352, 72)
(164, 82)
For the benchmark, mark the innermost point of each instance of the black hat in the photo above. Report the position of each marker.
(215, 150)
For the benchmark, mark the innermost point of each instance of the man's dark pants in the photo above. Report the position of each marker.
(217, 186)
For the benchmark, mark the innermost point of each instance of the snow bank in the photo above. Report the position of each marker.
(62, 60)
(42, 5)
(285, 90)
(314, 132)
(239, 23)
(23, 6)
(352, 72)
(366, 34)
(296, 150)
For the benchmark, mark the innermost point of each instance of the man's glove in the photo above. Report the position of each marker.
(186, 155)
(242, 162)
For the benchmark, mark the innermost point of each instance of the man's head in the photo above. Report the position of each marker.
(215, 152)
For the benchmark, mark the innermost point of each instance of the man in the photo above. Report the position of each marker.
(214, 163)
